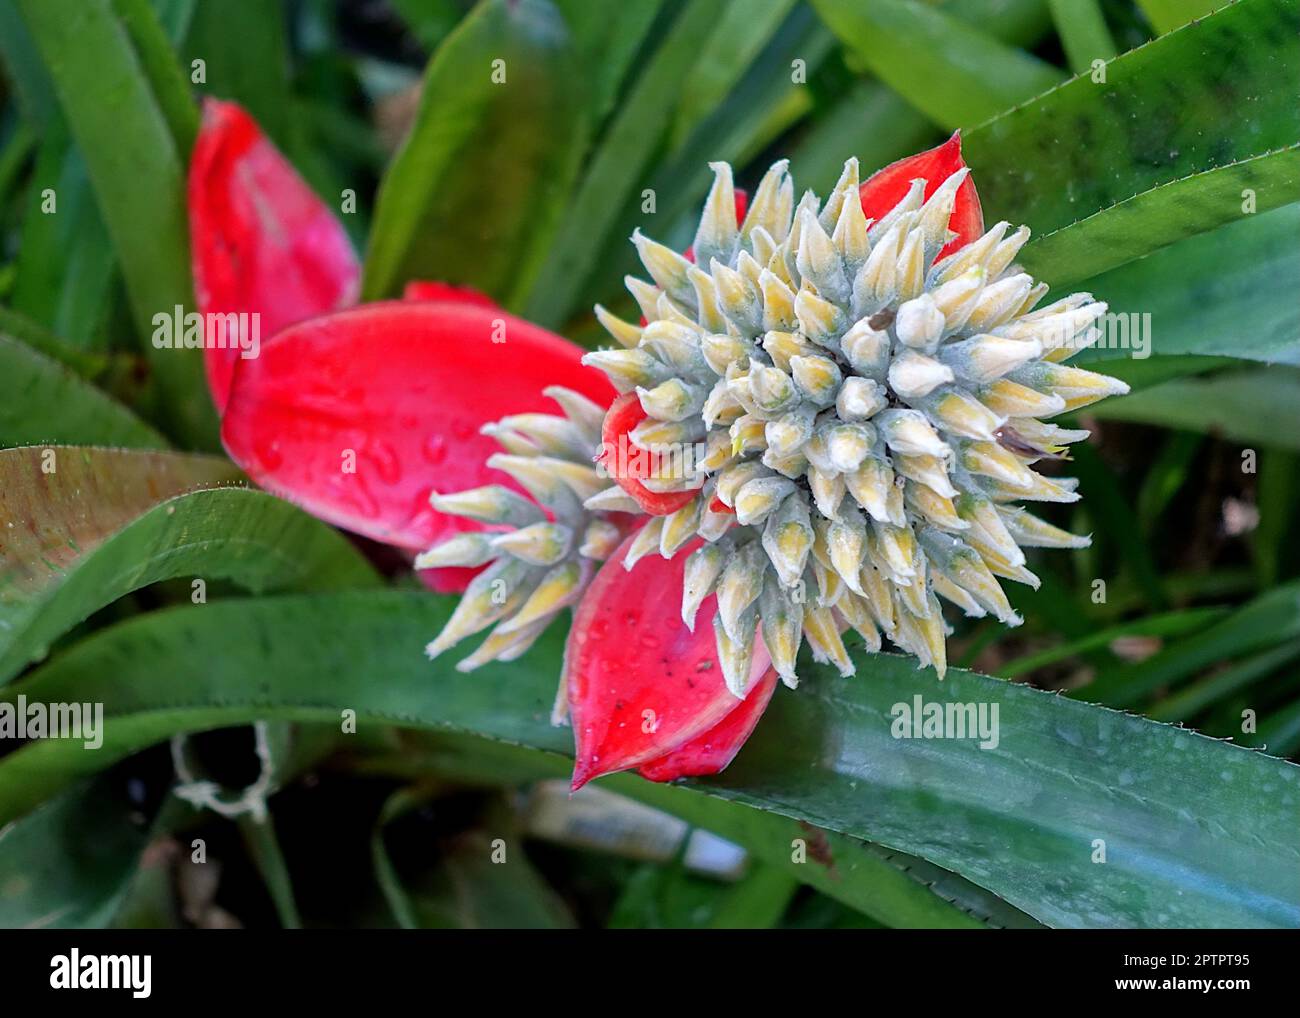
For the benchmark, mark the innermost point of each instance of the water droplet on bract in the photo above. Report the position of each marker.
(435, 450)
(387, 463)
(268, 454)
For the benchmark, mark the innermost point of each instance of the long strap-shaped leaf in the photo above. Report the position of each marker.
(1079, 815)
(1087, 148)
(897, 889)
(41, 400)
(1255, 406)
(1213, 295)
(80, 527)
(1165, 15)
(893, 887)
(951, 71)
(137, 173)
(611, 177)
(476, 191)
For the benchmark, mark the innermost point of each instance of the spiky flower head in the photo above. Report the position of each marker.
(867, 414)
(845, 414)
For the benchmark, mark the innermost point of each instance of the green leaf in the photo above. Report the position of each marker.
(616, 167)
(759, 109)
(1143, 374)
(1019, 819)
(31, 83)
(1281, 731)
(1015, 22)
(41, 339)
(468, 887)
(429, 20)
(743, 28)
(1112, 517)
(158, 60)
(1198, 695)
(1166, 15)
(476, 192)
(1175, 623)
(1166, 476)
(953, 73)
(670, 897)
(1256, 406)
(81, 527)
(1083, 32)
(1216, 294)
(467, 890)
(1278, 498)
(137, 175)
(245, 55)
(608, 39)
(175, 17)
(386, 875)
(869, 122)
(66, 263)
(1270, 619)
(68, 864)
(264, 848)
(1086, 146)
(1166, 214)
(757, 902)
(43, 401)
(14, 153)
(894, 888)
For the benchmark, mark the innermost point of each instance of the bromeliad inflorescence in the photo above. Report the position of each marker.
(867, 401)
(825, 420)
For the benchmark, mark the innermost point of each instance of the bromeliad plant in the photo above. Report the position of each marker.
(815, 423)
(824, 422)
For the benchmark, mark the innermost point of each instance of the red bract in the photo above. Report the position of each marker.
(713, 751)
(357, 416)
(261, 241)
(630, 466)
(886, 188)
(641, 686)
(421, 290)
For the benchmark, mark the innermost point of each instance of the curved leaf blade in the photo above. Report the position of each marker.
(476, 191)
(1166, 15)
(1083, 32)
(53, 875)
(137, 175)
(1019, 818)
(611, 175)
(952, 72)
(896, 889)
(1164, 215)
(1257, 406)
(1216, 295)
(80, 527)
(1086, 146)
(43, 401)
